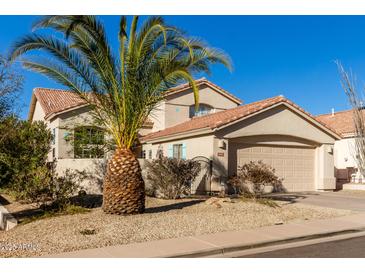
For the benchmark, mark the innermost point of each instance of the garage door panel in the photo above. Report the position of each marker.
(295, 165)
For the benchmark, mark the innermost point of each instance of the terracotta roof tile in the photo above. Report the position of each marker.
(57, 100)
(341, 121)
(216, 120)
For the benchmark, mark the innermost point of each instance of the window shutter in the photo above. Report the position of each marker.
(183, 156)
(170, 151)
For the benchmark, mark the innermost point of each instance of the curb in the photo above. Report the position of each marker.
(7, 221)
(235, 248)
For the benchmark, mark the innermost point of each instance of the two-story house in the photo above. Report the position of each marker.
(223, 134)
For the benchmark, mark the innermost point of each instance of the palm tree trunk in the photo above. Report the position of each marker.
(124, 191)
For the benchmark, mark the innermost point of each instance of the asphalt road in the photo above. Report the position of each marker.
(348, 248)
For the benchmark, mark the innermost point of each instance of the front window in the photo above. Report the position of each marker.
(202, 110)
(177, 151)
(89, 142)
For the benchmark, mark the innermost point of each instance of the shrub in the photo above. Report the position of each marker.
(171, 178)
(252, 178)
(24, 170)
(24, 148)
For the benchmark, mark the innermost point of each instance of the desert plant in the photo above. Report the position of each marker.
(171, 178)
(252, 178)
(152, 59)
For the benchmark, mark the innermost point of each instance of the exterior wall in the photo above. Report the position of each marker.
(38, 114)
(344, 153)
(278, 121)
(157, 116)
(93, 172)
(324, 164)
(196, 146)
(177, 105)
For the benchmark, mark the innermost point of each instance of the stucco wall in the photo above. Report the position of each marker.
(93, 172)
(344, 153)
(177, 105)
(38, 114)
(157, 116)
(278, 121)
(196, 146)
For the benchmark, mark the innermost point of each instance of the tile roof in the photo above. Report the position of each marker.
(57, 100)
(341, 121)
(218, 119)
(54, 101)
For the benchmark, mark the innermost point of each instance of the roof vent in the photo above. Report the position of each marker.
(332, 112)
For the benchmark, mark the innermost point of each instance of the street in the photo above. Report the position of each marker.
(348, 248)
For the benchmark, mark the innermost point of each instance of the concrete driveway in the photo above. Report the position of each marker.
(326, 199)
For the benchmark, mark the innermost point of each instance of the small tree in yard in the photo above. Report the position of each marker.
(11, 82)
(356, 101)
(171, 178)
(252, 178)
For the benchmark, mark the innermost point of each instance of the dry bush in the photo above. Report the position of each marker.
(171, 178)
(253, 177)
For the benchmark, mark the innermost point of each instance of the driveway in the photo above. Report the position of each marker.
(337, 200)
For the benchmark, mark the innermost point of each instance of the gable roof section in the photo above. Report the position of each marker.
(224, 118)
(54, 101)
(203, 81)
(341, 121)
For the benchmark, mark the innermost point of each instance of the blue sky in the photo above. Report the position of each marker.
(289, 55)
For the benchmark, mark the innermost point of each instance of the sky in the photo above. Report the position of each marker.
(272, 55)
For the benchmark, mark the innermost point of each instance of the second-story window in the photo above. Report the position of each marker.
(89, 142)
(203, 109)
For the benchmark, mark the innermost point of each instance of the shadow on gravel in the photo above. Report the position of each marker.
(87, 200)
(172, 206)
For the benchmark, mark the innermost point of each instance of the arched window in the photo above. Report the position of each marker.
(204, 109)
(89, 142)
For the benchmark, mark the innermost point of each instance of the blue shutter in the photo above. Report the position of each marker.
(183, 156)
(170, 151)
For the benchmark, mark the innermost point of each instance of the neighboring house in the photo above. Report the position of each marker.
(344, 149)
(222, 135)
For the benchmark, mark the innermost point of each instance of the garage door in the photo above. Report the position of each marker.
(295, 165)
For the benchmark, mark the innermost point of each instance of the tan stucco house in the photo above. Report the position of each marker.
(223, 134)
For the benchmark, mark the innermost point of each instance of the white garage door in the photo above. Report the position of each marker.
(295, 165)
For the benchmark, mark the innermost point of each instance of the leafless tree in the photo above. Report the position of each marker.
(356, 101)
(11, 83)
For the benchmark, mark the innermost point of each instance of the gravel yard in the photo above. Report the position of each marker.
(163, 219)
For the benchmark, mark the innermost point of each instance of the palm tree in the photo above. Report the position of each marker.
(125, 88)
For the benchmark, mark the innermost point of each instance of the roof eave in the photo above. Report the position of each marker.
(32, 105)
(180, 135)
(301, 113)
(211, 85)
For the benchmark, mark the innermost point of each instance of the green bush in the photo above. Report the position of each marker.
(24, 147)
(171, 178)
(25, 171)
(253, 177)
